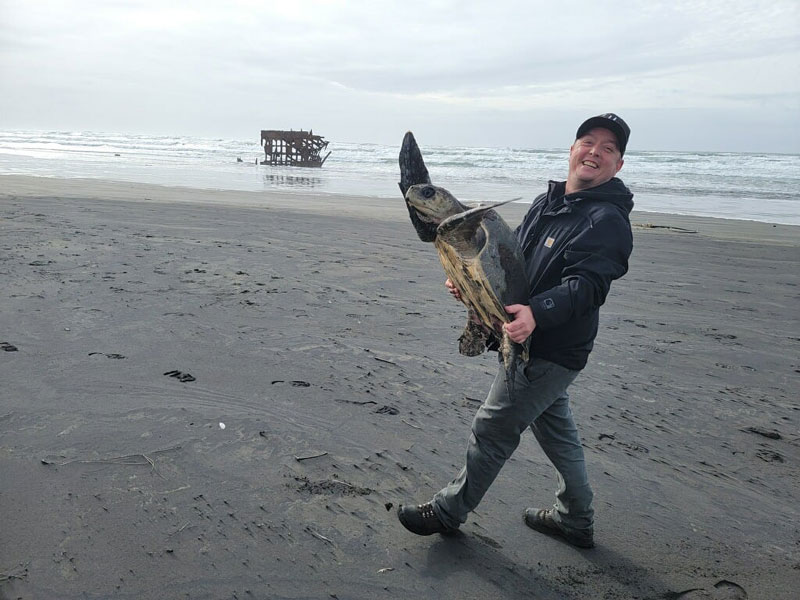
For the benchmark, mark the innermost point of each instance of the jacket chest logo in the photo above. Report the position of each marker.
(548, 243)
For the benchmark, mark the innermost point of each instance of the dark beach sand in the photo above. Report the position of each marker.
(315, 325)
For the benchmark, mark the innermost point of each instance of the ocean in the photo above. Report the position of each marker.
(758, 187)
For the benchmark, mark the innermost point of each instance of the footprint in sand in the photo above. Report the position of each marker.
(722, 590)
(293, 383)
(182, 377)
(114, 356)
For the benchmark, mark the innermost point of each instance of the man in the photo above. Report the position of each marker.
(576, 239)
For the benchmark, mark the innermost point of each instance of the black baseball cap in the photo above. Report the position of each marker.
(611, 122)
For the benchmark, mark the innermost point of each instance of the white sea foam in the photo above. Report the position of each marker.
(761, 187)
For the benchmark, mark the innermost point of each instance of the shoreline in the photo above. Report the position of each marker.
(229, 400)
(372, 206)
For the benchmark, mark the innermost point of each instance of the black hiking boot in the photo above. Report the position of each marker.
(421, 519)
(542, 521)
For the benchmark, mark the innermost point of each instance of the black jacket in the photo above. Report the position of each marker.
(574, 247)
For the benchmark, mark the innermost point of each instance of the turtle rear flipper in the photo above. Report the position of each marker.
(511, 354)
(475, 337)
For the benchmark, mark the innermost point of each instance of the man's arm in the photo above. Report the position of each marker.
(592, 261)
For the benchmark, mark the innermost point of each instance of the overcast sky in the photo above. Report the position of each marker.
(685, 74)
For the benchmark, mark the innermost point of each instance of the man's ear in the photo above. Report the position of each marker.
(619, 165)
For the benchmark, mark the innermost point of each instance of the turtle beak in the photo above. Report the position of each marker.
(425, 226)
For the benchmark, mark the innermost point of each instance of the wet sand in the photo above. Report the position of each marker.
(138, 320)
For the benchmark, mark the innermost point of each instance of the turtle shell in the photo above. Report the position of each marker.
(485, 263)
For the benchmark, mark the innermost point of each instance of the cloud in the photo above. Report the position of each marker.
(145, 64)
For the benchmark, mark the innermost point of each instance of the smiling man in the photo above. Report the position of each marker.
(596, 156)
(576, 239)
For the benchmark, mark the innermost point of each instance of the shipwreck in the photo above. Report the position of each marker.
(293, 148)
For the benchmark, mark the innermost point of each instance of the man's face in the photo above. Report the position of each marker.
(593, 159)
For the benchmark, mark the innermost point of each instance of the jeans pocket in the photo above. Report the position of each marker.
(537, 369)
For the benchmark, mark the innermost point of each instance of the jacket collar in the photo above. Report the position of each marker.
(613, 191)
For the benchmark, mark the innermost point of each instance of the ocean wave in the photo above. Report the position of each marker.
(758, 186)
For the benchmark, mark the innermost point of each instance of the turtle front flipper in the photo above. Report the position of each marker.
(474, 338)
(412, 168)
(464, 225)
(414, 172)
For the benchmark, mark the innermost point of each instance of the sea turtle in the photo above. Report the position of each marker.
(480, 255)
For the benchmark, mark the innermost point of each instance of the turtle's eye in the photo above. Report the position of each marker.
(428, 192)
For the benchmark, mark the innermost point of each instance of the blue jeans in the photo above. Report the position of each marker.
(541, 402)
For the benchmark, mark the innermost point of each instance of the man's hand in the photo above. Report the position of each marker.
(454, 291)
(523, 324)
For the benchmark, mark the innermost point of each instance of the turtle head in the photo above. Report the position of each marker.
(429, 205)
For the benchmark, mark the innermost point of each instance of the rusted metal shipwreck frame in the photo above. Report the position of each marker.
(293, 148)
